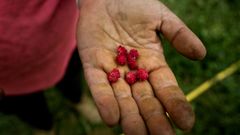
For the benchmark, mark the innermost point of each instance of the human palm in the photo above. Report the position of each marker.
(139, 108)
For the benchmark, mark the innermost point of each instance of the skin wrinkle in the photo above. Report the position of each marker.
(121, 96)
(139, 91)
(131, 114)
(82, 50)
(124, 98)
(107, 64)
(152, 44)
(161, 88)
(143, 97)
(139, 45)
(116, 29)
(158, 51)
(101, 94)
(152, 65)
(123, 17)
(175, 96)
(176, 34)
(152, 114)
(171, 82)
(102, 89)
(166, 15)
(121, 92)
(113, 38)
(117, 25)
(85, 58)
(126, 113)
(109, 44)
(93, 71)
(98, 62)
(158, 68)
(163, 12)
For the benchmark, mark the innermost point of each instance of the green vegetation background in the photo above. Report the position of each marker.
(217, 23)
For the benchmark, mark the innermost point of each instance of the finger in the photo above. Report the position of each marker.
(172, 98)
(103, 95)
(151, 110)
(181, 37)
(130, 117)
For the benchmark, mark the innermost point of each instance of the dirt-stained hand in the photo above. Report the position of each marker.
(139, 108)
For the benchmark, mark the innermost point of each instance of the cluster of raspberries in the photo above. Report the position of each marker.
(123, 57)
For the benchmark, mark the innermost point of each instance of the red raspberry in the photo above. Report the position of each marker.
(142, 74)
(132, 64)
(131, 58)
(133, 54)
(131, 77)
(121, 50)
(113, 75)
(121, 59)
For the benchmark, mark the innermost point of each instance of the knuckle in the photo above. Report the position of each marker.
(130, 115)
(152, 114)
(123, 96)
(150, 107)
(142, 98)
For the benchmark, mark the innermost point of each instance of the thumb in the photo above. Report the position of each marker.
(180, 36)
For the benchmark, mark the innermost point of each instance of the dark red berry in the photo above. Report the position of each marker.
(121, 59)
(132, 59)
(113, 75)
(131, 77)
(121, 50)
(132, 64)
(133, 54)
(142, 74)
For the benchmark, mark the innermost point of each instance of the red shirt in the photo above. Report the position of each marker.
(37, 38)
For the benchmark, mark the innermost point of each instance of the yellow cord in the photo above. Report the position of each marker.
(206, 85)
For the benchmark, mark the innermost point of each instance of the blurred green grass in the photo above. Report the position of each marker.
(217, 23)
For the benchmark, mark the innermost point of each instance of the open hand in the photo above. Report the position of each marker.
(139, 108)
